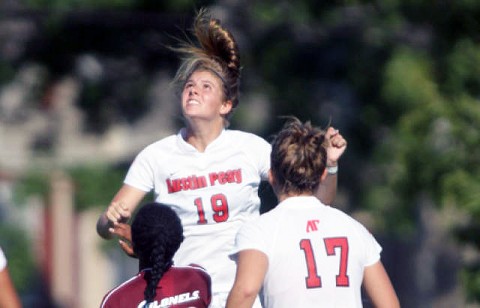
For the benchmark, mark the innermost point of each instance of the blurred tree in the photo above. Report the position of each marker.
(93, 185)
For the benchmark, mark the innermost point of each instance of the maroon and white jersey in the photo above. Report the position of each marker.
(316, 254)
(180, 287)
(213, 192)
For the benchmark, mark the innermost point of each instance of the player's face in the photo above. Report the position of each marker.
(203, 97)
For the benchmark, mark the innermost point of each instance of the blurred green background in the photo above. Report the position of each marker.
(400, 79)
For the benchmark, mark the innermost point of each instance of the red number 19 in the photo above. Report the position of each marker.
(219, 206)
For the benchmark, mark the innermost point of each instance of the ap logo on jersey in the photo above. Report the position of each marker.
(312, 225)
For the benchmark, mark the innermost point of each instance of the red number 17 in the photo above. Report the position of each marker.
(313, 280)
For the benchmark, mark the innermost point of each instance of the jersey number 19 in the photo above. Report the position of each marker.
(219, 206)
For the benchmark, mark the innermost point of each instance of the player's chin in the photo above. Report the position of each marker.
(191, 112)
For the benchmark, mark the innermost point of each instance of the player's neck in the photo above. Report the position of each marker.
(282, 197)
(200, 135)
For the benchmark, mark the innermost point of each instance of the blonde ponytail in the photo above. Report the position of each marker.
(216, 50)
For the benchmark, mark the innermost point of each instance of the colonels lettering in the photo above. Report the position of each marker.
(173, 300)
(196, 182)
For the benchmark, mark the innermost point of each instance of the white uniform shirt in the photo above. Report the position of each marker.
(213, 192)
(3, 260)
(316, 254)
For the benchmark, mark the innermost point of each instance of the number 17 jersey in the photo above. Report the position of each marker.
(316, 254)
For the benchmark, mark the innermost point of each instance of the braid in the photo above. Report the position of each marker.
(159, 266)
(216, 51)
(156, 235)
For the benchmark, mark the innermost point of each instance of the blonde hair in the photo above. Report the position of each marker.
(216, 50)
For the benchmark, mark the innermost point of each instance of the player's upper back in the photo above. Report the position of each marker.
(183, 286)
(316, 254)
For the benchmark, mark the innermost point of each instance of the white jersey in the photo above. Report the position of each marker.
(3, 260)
(316, 254)
(213, 193)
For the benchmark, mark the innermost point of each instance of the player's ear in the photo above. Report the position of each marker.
(271, 179)
(324, 175)
(226, 107)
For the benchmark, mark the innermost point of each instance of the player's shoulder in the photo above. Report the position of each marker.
(3, 260)
(117, 293)
(249, 143)
(346, 220)
(193, 273)
(190, 269)
(242, 136)
(165, 144)
(338, 214)
(165, 141)
(266, 222)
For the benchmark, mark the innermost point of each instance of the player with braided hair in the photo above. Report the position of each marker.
(304, 253)
(207, 173)
(156, 235)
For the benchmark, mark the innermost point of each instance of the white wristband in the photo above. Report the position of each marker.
(332, 170)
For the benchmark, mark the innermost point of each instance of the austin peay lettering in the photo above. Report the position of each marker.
(196, 182)
(188, 183)
(224, 177)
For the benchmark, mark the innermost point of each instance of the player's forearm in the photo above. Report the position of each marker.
(240, 299)
(327, 189)
(8, 294)
(119, 210)
(378, 286)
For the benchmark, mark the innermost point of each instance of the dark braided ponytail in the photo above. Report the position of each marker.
(156, 235)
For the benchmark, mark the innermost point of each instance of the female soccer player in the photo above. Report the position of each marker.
(303, 252)
(156, 235)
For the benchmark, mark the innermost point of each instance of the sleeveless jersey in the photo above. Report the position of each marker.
(213, 193)
(316, 254)
(180, 287)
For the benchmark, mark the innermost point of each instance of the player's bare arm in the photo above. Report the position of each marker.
(251, 268)
(8, 294)
(335, 149)
(379, 288)
(120, 209)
